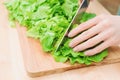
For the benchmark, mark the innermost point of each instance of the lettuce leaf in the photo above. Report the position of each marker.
(47, 21)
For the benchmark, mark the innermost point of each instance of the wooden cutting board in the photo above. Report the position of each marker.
(39, 63)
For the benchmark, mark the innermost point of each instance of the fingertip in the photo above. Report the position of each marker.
(75, 49)
(70, 34)
(71, 44)
(89, 53)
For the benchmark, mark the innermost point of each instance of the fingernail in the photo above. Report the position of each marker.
(75, 49)
(70, 44)
(70, 35)
(88, 53)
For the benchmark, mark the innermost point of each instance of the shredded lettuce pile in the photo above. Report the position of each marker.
(47, 20)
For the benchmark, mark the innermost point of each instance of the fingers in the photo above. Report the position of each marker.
(82, 27)
(99, 48)
(88, 34)
(84, 36)
(100, 28)
(94, 41)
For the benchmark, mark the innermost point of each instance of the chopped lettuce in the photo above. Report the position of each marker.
(47, 21)
(77, 57)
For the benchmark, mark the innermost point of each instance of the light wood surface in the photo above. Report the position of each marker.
(12, 67)
(39, 63)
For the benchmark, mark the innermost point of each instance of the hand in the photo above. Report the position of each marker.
(104, 29)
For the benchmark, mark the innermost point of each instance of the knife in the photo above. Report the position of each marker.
(76, 19)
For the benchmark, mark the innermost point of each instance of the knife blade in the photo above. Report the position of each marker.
(76, 19)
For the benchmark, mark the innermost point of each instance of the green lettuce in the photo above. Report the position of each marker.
(47, 21)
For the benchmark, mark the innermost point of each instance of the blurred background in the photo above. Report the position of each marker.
(113, 6)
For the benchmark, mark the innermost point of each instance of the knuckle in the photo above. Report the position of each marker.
(106, 23)
(112, 30)
(111, 33)
(85, 33)
(97, 50)
(90, 42)
(87, 44)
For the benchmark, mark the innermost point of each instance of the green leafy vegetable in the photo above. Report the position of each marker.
(47, 20)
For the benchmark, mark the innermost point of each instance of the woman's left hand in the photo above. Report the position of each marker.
(103, 28)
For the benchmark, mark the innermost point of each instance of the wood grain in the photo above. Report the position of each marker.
(39, 63)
